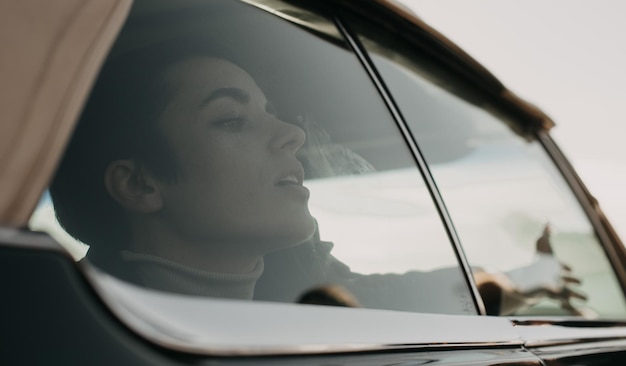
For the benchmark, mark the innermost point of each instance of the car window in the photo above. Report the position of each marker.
(227, 152)
(520, 224)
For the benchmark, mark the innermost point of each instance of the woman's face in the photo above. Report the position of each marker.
(241, 184)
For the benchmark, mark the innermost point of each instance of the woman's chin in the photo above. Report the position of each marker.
(296, 233)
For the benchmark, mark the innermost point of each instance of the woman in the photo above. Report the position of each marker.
(194, 177)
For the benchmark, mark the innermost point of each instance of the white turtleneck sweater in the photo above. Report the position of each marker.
(162, 274)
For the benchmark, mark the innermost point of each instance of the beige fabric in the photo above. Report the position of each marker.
(51, 52)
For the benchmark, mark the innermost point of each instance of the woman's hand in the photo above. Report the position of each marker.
(507, 292)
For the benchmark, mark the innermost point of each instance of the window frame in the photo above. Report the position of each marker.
(420, 161)
(610, 241)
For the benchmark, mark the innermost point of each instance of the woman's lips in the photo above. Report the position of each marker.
(290, 179)
(296, 189)
(292, 173)
(292, 182)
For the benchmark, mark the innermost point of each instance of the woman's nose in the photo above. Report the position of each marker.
(288, 137)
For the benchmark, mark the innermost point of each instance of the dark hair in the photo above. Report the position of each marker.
(119, 122)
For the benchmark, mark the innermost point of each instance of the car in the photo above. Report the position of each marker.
(273, 182)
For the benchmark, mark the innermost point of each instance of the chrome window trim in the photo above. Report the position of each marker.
(297, 15)
(614, 254)
(567, 336)
(553, 335)
(303, 329)
(378, 81)
(599, 348)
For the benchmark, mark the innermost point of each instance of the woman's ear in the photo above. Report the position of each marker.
(132, 186)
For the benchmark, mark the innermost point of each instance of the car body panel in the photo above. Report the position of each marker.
(70, 313)
(200, 325)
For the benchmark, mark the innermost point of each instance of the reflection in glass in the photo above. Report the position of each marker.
(520, 224)
(225, 152)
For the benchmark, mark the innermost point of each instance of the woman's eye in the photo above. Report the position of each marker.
(230, 123)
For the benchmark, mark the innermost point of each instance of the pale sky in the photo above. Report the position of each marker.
(566, 56)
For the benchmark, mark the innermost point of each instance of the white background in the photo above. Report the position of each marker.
(568, 57)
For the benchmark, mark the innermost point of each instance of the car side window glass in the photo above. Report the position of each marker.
(521, 227)
(226, 152)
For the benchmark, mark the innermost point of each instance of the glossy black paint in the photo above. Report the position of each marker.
(584, 354)
(50, 315)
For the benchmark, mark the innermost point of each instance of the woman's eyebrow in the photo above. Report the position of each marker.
(238, 94)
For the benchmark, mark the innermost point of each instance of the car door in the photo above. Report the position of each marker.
(381, 231)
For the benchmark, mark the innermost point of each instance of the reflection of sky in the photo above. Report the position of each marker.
(45, 199)
(43, 219)
(381, 222)
(575, 73)
(500, 196)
